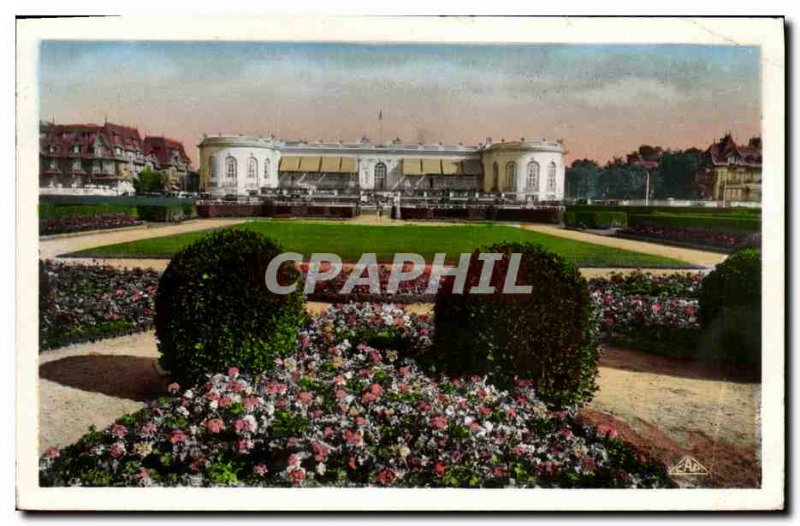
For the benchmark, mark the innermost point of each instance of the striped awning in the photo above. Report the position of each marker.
(473, 167)
(289, 164)
(412, 167)
(330, 164)
(432, 166)
(348, 165)
(309, 164)
(451, 167)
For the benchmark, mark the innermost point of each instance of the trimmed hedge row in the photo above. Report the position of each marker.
(491, 213)
(51, 211)
(679, 210)
(731, 223)
(596, 219)
(275, 210)
(166, 213)
(237, 210)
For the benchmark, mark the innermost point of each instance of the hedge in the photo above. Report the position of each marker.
(677, 210)
(491, 213)
(547, 336)
(50, 211)
(213, 308)
(596, 219)
(730, 223)
(166, 213)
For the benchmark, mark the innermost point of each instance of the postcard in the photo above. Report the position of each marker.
(300, 263)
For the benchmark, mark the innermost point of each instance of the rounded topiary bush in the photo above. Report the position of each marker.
(213, 309)
(547, 336)
(730, 309)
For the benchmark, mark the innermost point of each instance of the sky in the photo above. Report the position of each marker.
(601, 100)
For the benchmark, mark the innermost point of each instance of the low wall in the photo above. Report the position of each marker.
(520, 215)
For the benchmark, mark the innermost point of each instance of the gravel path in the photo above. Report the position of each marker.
(50, 248)
(95, 383)
(696, 257)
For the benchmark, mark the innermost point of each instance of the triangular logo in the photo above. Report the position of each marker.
(688, 466)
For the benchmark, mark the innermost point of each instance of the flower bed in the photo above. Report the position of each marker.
(342, 413)
(693, 236)
(90, 302)
(647, 312)
(80, 223)
(411, 291)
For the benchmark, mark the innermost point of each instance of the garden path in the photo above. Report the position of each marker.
(53, 247)
(697, 257)
(95, 383)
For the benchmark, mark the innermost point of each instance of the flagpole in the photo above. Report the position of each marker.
(380, 127)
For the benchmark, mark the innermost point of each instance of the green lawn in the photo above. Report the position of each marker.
(350, 241)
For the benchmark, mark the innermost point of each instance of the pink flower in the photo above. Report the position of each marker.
(116, 450)
(656, 308)
(118, 430)
(328, 431)
(305, 397)
(143, 475)
(353, 437)
(293, 460)
(215, 425)
(248, 424)
(148, 428)
(213, 395)
(368, 398)
(52, 453)
(225, 401)
(386, 477)
(173, 388)
(251, 402)
(440, 468)
(243, 445)
(341, 393)
(236, 386)
(320, 451)
(439, 422)
(606, 431)
(376, 389)
(275, 388)
(233, 372)
(499, 472)
(351, 463)
(296, 475)
(260, 469)
(178, 436)
(405, 371)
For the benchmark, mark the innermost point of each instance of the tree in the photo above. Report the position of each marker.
(675, 176)
(150, 180)
(582, 179)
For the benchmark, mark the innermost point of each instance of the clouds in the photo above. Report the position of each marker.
(454, 92)
(632, 92)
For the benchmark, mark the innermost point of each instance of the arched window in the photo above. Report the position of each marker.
(495, 177)
(266, 168)
(212, 168)
(551, 177)
(511, 177)
(380, 176)
(230, 167)
(532, 184)
(252, 168)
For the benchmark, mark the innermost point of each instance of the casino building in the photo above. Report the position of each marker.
(235, 165)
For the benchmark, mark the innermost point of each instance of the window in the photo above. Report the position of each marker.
(252, 168)
(532, 184)
(380, 176)
(212, 168)
(266, 169)
(230, 167)
(551, 177)
(511, 177)
(495, 178)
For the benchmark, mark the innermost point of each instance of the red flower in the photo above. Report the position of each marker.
(304, 397)
(215, 425)
(499, 472)
(440, 468)
(386, 477)
(297, 475)
(439, 422)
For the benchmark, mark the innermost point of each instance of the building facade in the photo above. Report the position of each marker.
(233, 165)
(107, 156)
(731, 172)
(168, 155)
